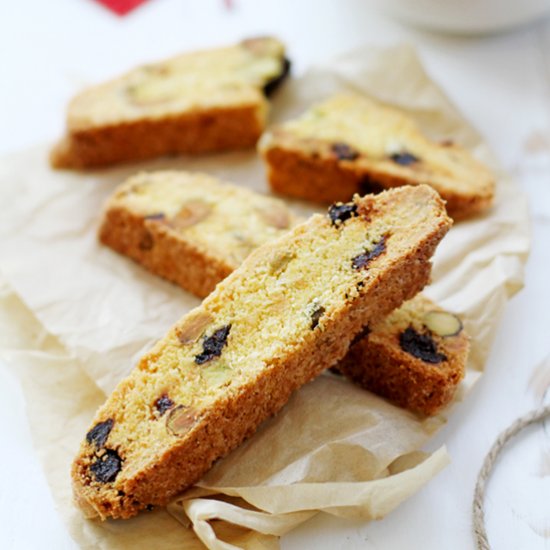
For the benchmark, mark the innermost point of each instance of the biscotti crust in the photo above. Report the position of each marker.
(422, 379)
(349, 144)
(392, 270)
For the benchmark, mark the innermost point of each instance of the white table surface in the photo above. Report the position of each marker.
(50, 49)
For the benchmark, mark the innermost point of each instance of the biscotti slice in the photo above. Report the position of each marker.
(287, 313)
(190, 228)
(350, 144)
(415, 357)
(199, 102)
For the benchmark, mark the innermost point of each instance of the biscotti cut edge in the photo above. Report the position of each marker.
(414, 221)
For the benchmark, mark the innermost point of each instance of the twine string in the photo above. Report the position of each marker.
(487, 467)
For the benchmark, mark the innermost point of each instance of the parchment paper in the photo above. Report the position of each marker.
(79, 316)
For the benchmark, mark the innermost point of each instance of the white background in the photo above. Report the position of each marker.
(50, 49)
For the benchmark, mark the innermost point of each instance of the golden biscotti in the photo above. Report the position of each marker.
(349, 144)
(190, 228)
(288, 312)
(415, 357)
(206, 101)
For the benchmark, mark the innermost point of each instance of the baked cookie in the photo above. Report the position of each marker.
(190, 228)
(287, 313)
(199, 102)
(350, 144)
(415, 357)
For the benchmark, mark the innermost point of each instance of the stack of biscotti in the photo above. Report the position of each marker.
(194, 230)
(290, 310)
(199, 102)
(349, 144)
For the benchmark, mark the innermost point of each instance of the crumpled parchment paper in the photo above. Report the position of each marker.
(75, 317)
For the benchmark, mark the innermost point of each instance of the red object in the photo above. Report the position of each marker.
(121, 7)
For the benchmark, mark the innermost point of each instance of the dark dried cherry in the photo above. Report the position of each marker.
(404, 158)
(100, 432)
(344, 152)
(272, 84)
(340, 212)
(212, 345)
(362, 260)
(420, 346)
(107, 466)
(163, 403)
